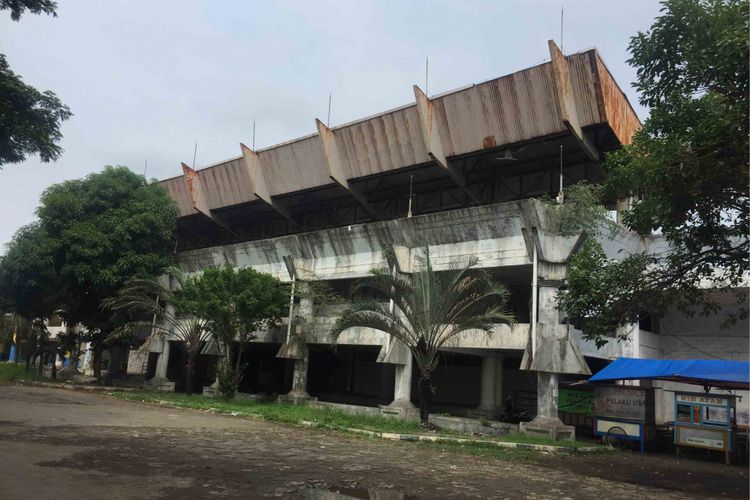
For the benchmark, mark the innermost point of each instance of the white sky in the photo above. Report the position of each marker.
(145, 79)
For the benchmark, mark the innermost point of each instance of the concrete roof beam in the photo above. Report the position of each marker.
(566, 100)
(198, 198)
(260, 186)
(434, 143)
(337, 169)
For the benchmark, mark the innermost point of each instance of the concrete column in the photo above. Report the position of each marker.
(489, 374)
(300, 354)
(632, 335)
(402, 385)
(547, 392)
(499, 373)
(299, 379)
(491, 395)
(162, 361)
(160, 382)
(401, 406)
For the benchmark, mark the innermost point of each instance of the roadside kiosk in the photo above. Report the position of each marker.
(704, 420)
(624, 413)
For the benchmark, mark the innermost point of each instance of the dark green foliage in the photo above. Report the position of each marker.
(687, 166)
(27, 274)
(154, 304)
(29, 119)
(431, 310)
(234, 305)
(18, 7)
(103, 230)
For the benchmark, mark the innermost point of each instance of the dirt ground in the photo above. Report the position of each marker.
(64, 445)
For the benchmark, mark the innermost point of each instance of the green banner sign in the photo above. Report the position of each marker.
(578, 402)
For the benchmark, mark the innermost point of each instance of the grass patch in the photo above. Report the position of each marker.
(10, 372)
(484, 450)
(278, 412)
(335, 419)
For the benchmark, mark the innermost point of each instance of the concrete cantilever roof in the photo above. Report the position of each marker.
(568, 94)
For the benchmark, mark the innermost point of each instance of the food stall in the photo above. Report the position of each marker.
(704, 421)
(624, 413)
(708, 420)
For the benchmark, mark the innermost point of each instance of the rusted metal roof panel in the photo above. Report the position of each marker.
(295, 166)
(585, 88)
(227, 184)
(177, 189)
(509, 109)
(620, 114)
(382, 143)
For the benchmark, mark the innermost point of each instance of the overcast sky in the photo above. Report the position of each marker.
(146, 79)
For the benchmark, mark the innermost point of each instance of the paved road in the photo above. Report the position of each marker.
(63, 445)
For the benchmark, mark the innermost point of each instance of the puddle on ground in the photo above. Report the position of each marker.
(354, 493)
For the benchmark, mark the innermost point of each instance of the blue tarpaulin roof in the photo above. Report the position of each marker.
(713, 372)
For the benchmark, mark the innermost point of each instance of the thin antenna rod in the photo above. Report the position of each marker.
(427, 76)
(253, 135)
(560, 196)
(411, 184)
(562, 18)
(145, 167)
(328, 122)
(195, 152)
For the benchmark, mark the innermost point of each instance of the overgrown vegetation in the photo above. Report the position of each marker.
(430, 310)
(11, 372)
(30, 120)
(234, 304)
(322, 417)
(686, 172)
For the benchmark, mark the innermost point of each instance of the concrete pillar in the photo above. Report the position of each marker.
(401, 406)
(402, 384)
(547, 392)
(299, 379)
(489, 374)
(491, 395)
(301, 355)
(162, 361)
(499, 378)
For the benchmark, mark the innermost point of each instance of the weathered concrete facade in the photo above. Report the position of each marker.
(455, 173)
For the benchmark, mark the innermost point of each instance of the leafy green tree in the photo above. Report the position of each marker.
(431, 309)
(103, 230)
(18, 7)
(234, 304)
(28, 281)
(29, 119)
(160, 300)
(687, 168)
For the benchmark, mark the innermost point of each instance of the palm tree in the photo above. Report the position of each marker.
(150, 296)
(428, 311)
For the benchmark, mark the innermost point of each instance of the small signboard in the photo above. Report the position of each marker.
(576, 402)
(622, 402)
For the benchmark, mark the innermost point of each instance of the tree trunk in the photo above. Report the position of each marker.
(40, 368)
(190, 371)
(53, 373)
(425, 395)
(115, 356)
(97, 362)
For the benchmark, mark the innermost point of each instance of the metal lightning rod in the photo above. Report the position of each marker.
(328, 122)
(562, 18)
(427, 76)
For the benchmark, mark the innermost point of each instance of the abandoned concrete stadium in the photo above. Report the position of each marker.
(456, 172)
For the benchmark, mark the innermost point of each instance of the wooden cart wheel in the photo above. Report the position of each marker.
(617, 438)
